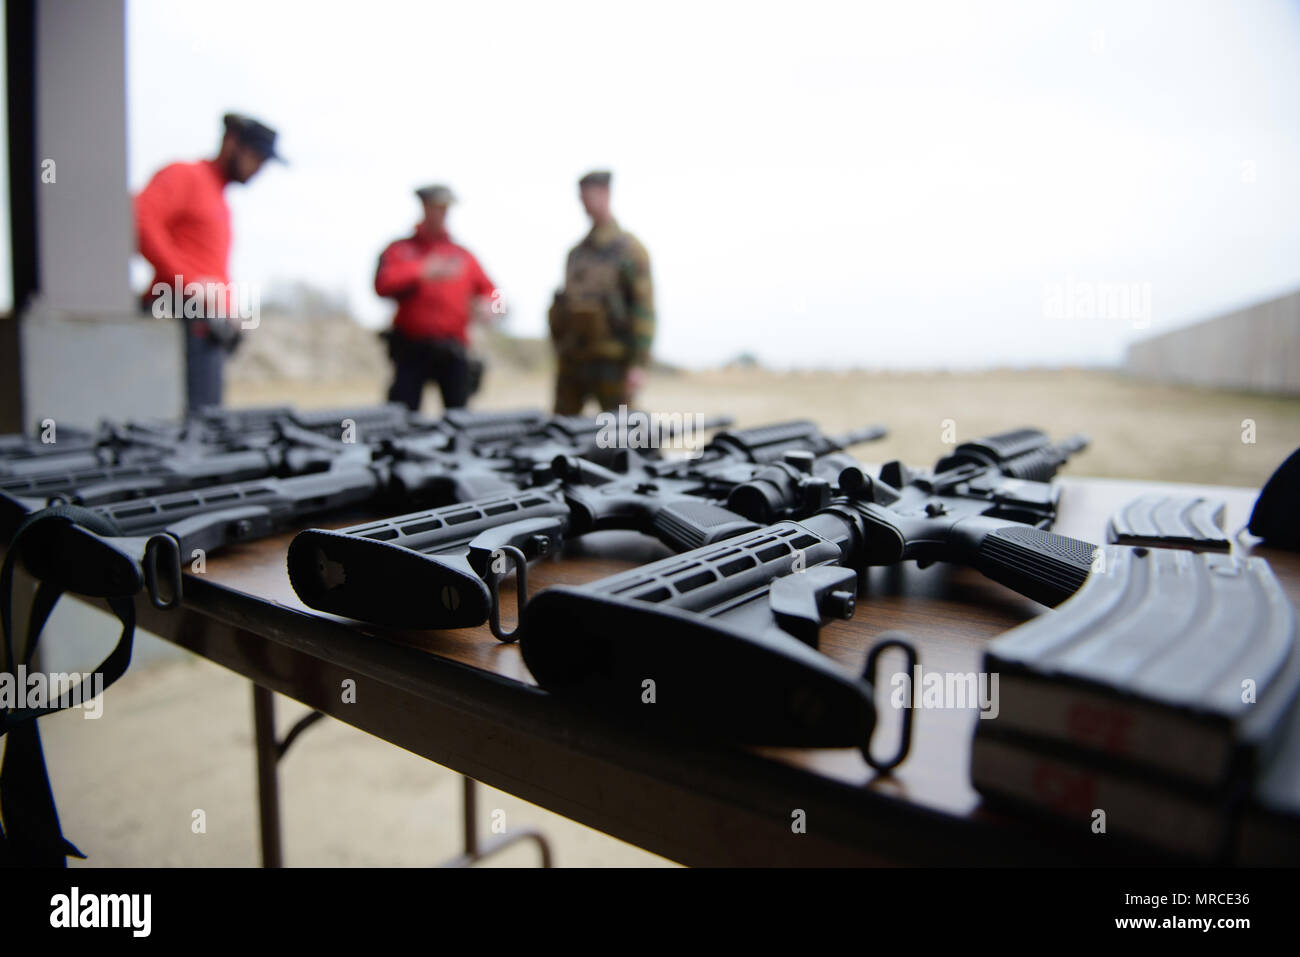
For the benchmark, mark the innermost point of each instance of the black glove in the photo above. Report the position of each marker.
(225, 333)
(476, 367)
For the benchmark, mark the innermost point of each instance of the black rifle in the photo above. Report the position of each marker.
(278, 445)
(123, 452)
(211, 428)
(440, 568)
(118, 548)
(523, 450)
(109, 483)
(600, 440)
(68, 440)
(727, 631)
(17, 446)
(157, 532)
(368, 423)
(987, 505)
(71, 447)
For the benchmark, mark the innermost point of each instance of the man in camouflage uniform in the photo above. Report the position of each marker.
(603, 320)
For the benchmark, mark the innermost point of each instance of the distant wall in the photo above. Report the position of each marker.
(1256, 349)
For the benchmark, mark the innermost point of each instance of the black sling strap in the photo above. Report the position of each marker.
(30, 834)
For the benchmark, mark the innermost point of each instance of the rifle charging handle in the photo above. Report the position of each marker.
(800, 459)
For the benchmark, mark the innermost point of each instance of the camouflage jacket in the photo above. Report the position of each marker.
(606, 309)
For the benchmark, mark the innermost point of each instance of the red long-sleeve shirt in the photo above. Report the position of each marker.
(431, 308)
(182, 223)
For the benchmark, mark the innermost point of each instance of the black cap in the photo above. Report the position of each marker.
(597, 177)
(256, 135)
(437, 194)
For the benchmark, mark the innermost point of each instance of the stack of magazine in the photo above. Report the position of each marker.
(1158, 704)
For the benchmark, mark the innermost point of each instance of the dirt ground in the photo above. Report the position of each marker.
(1139, 430)
(176, 739)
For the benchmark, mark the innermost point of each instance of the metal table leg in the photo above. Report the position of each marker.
(270, 752)
(474, 849)
(268, 784)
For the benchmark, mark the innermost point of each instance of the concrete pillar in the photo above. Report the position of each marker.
(85, 235)
(86, 352)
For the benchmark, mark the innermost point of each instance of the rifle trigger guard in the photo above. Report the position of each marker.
(869, 673)
(172, 569)
(521, 591)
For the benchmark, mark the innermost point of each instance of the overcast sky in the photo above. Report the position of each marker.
(883, 184)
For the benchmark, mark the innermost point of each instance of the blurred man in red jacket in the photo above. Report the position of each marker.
(437, 285)
(183, 229)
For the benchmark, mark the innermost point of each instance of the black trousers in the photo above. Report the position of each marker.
(205, 360)
(416, 361)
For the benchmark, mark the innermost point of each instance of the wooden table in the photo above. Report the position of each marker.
(463, 700)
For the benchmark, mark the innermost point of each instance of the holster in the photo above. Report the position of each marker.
(476, 369)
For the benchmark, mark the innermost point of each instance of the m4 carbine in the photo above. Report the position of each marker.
(986, 505)
(727, 631)
(440, 568)
(215, 430)
(275, 443)
(157, 532)
(296, 445)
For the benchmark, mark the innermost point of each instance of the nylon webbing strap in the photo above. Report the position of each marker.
(30, 834)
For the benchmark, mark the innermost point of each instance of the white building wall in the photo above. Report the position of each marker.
(1256, 349)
